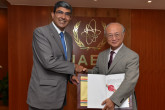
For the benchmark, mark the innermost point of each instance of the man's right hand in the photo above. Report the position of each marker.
(80, 69)
(109, 105)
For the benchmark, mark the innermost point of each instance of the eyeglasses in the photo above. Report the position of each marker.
(59, 12)
(116, 35)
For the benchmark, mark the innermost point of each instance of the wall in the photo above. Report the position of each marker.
(147, 39)
(3, 42)
(22, 21)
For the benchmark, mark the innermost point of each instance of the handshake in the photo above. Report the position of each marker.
(78, 70)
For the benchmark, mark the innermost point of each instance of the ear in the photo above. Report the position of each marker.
(71, 17)
(52, 14)
(123, 34)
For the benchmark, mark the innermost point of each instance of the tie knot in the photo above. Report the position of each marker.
(62, 34)
(112, 52)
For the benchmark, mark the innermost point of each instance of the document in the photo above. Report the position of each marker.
(101, 87)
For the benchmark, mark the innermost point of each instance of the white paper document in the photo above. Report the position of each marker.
(101, 87)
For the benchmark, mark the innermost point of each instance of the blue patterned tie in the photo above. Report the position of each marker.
(63, 44)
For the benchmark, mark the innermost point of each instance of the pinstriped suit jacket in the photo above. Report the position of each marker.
(126, 61)
(50, 72)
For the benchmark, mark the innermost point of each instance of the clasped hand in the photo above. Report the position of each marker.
(78, 69)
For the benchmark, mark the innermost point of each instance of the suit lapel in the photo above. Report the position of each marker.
(105, 60)
(68, 44)
(55, 35)
(117, 58)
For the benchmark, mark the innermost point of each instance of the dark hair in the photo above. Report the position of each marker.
(62, 4)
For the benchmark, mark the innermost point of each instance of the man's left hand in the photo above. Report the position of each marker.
(74, 80)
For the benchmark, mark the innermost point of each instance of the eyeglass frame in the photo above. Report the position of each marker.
(116, 35)
(67, 14)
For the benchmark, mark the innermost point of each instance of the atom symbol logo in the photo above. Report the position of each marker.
(91, 33)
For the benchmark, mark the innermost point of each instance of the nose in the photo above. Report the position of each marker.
(63, 16)
(113, 38)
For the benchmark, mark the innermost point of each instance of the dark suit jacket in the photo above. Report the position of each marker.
(126, 61)
(50, 72)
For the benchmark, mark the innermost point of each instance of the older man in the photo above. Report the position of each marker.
(118, 59)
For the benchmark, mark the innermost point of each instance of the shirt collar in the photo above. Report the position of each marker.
(58, 30)
(116, 49)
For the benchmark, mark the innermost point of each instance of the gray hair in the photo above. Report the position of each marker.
(114, 23)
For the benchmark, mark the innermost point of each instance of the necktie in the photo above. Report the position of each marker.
(110, 60)
(63, 44)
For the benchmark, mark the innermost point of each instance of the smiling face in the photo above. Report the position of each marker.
(61, 17)
(115, 35)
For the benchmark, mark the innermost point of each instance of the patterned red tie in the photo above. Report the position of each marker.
(110, 60)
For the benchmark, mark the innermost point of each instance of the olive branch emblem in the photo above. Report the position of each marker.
(81, 44)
